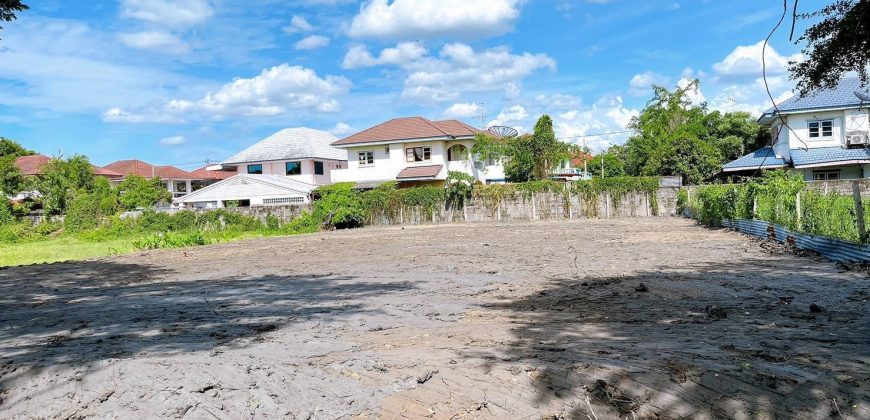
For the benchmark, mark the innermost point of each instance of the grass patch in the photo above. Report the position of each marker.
(60, 249)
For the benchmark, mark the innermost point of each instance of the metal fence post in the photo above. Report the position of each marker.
(859, 211)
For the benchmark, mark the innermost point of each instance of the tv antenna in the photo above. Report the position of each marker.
(502, 131)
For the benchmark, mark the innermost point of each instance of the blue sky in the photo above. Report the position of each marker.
(179, 82)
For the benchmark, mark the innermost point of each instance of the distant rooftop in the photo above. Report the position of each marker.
(147, 170)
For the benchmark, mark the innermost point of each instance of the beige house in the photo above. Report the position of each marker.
(413, 150)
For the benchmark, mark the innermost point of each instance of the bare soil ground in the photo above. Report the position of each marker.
(630, 318)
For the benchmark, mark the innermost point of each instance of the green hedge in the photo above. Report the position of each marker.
(774, 199)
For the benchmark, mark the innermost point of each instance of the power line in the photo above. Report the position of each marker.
(767, 87)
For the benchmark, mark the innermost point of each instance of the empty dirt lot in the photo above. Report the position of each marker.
(538, 320)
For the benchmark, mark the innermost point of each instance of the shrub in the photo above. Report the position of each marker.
(83, 213)
(170, 240)
(339, 205)
(137, 192)
(272, 222)
(459, 188)
(5, 212)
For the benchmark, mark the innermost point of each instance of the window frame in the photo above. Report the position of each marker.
(820, 127)
(412, 157)
(322, 170)
(826, 175)
(255, 165)
(287, 168)
(369, 160)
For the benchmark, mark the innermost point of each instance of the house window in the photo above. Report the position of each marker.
(821, 128)
(418, 154)
(366, 158)
(255, 169)
(826, 175)
(387, 150)
(180, 186)
(294, 168)
(318, 168)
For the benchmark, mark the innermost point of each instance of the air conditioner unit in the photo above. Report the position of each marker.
(854, 138)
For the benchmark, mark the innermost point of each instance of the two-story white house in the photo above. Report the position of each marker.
(413, 151)
(823, 136)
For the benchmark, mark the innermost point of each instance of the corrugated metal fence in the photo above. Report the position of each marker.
(834, 249)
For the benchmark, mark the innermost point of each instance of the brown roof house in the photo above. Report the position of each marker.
(33, 164)
(413, 150)
(178, 182)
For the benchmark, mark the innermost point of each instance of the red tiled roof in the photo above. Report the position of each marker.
(146, 170)
(430, 171)
(578, 159)
(410, 128)
(203, 173)
(33, 164)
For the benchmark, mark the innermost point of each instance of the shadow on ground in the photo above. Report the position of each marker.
(708, 341)
(78, 313)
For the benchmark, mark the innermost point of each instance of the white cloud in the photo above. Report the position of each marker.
(512, 114)
(170, 13)
(67, 66)
(162, 42)
(341, 129)
(607, 115)
(404, 52)
(745, 61)
(275, 91)
(460, 69)
(312, 42)
(640, 84)
(146, 115)
(416, 19)
(173, 141)
(298, 24)
(463, 110)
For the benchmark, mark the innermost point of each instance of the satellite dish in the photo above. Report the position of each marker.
(862, 96)
(502, 131)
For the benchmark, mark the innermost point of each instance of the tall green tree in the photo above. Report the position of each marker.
(606, 165)
(62, 179)
(527, 157)
(137, 192)
(8, 8)
(11, 147)
(11, 179)
(676, 137)
(837, 44)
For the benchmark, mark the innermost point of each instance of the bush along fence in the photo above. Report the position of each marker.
(340, 205)
(781, 207)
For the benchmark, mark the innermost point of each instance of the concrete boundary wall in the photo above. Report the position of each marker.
(539, 206)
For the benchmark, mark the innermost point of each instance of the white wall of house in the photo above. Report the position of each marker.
(800, 137)
(279, 167)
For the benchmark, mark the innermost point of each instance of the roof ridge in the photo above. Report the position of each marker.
(435, 125)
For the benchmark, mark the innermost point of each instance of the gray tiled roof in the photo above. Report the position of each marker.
(291, 143)
(841, 96)
(819, 155)
(763, 157)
